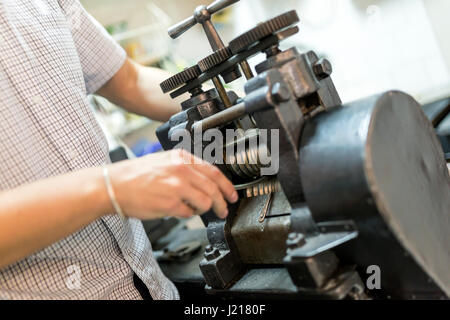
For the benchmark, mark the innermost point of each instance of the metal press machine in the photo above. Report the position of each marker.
(359, 185)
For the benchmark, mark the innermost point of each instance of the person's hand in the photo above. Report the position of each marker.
(173, 183)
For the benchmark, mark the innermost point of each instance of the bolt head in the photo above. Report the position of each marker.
(292, 235)
(295, 240)
(323, 68)
(211, 253)
(280, 93)
(201, 14)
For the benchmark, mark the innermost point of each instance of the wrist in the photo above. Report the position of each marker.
(111, 193)
(97, 193)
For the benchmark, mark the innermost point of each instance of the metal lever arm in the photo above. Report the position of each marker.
(218, 5)
(203, 15)
(181, 27)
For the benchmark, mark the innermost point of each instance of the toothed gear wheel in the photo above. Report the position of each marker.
(214, 59)
(263, 30)
(181, 78)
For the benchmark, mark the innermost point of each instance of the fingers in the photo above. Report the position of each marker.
(196, 198)
(173, 183)
(174, 206)
(178, 188)
(215, 175)
(183, 210)
(200, 184)
(208, 187)
(212, 172)
(188, 188)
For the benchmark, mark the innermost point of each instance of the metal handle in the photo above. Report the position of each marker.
(219, 5)
(221, 118)
(181, 27)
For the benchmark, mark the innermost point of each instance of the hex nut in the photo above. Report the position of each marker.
(323, 68)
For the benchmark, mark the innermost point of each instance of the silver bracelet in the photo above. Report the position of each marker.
(112, 195)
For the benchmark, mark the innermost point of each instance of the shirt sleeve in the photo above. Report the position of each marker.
(100, 56)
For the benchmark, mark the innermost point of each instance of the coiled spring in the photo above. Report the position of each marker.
(246, 161)
(260, 187)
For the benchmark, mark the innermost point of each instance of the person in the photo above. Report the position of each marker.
(62, 233)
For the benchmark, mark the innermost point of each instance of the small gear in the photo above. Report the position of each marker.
(181, 78)
(214, 59)
(263, 30)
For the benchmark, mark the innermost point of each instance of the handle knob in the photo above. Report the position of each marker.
(202, 15)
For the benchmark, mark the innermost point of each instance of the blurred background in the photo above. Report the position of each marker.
(374, 45)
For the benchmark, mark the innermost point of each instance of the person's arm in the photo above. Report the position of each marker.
(136, 89)
(131, 86)
(36, 215)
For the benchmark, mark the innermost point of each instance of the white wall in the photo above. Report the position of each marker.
(191, 46)
(374, 45)
(439, 15)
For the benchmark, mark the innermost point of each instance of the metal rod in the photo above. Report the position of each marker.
(246, 69)
(220, 5)
(221, 91)
(212, 35)
(181, 27)
(221, 118)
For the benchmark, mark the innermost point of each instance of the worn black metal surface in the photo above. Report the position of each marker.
(262, 243)
(283, 115)
(275, 283)
(380, 154)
